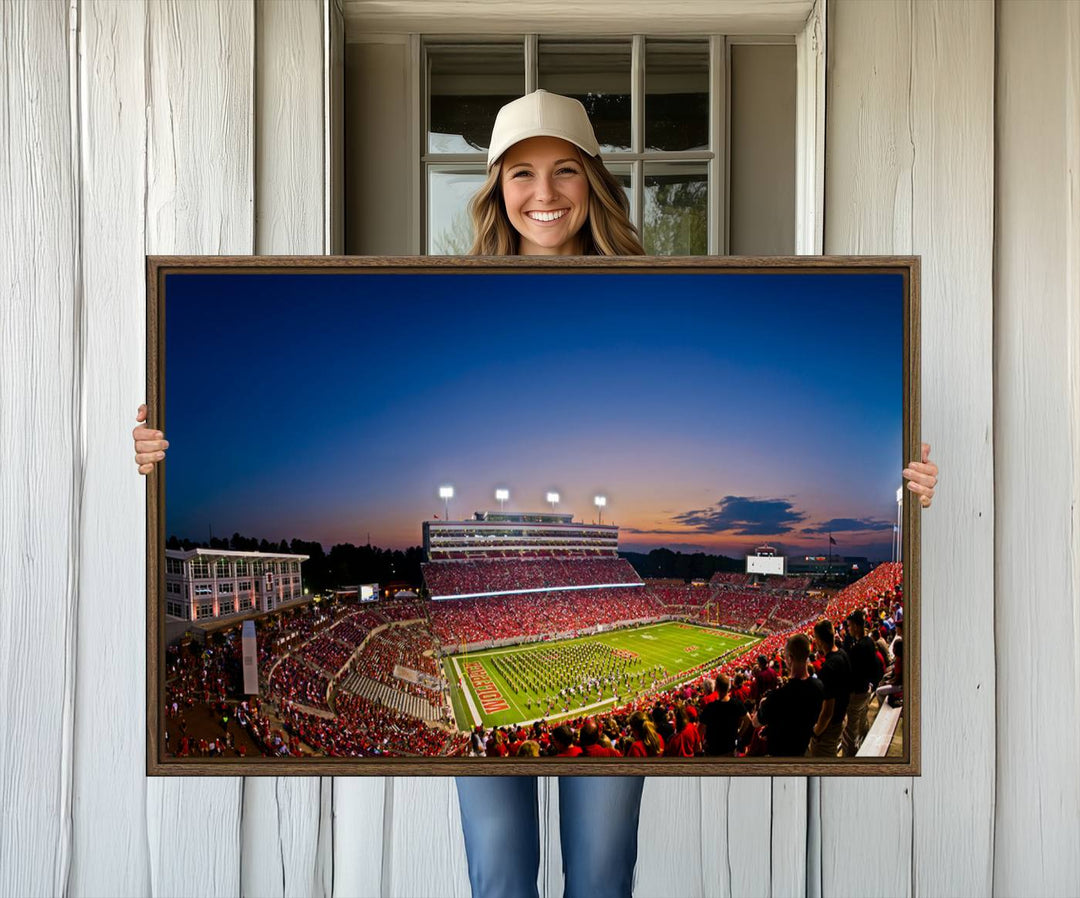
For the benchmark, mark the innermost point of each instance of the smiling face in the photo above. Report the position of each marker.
(546, 195)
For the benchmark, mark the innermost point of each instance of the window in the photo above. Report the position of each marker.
(661, 108)
(200, 568)
(242, 565)
(650, 104)
(222, 568)
(204, 589)
(225, 588)
(225, 606)
(173, 566)
(174, 610)
(244, 585)
(204, 610)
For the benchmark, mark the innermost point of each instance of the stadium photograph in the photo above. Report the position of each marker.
(497, 516)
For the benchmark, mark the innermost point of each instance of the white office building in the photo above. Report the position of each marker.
(205, 584)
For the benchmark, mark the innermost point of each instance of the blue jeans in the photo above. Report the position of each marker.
(598, 823)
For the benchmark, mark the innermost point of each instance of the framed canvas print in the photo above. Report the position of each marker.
(520, 516)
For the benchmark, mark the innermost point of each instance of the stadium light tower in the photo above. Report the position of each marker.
(501, 496)
(553, 498)
(446, 493)
(600, 502)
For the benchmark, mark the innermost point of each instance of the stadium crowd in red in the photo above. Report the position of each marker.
(409, 646)
(539, 614)
(454, 578)
(363, 728)
(737, 726)
(311, 647)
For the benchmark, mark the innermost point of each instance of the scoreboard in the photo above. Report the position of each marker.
(766, 564)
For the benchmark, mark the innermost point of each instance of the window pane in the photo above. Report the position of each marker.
(624, 176)
(449, 191)
(467, 84)
(597, 74)
(676, 209)
(676, 95)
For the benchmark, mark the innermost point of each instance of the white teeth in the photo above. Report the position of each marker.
(546, 216)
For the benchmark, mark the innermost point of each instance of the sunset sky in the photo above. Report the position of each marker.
(715, 411)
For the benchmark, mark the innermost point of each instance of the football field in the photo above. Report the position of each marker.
(577, 676)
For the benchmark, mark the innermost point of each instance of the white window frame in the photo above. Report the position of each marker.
(810, 125)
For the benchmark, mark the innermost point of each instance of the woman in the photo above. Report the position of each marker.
(892, 686)
(647, 742)
(548, 193)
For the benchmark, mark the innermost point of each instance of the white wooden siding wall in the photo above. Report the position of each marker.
(40, 451)
(1037, 450)
(109, 819)
(198, 128)
(286, 832)
(909, 169)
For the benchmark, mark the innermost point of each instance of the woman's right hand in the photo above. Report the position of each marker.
(150, 445)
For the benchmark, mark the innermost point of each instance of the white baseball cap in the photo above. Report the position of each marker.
(541, 114)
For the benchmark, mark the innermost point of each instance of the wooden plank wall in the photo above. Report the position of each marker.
(40, 447)
(1037, 449)
(172, 126)
(909, 169)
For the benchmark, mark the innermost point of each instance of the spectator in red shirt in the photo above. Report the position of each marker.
(740, 690)
(665, 729)
(687, 740)
(765, 679)
(591, 746)
(516, 742)
(647, 742)
(496, 744)
(563, 739)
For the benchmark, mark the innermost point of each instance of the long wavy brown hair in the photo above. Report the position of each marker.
(643, 728)
(607, 231)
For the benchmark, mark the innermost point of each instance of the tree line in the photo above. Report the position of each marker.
(349, 565)
(668, 565)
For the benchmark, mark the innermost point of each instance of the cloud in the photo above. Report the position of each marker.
(849, 525)
(744, 516)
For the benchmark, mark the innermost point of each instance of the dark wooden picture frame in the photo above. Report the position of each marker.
(666, 273)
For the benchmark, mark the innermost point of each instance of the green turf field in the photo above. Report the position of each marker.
(520, 683)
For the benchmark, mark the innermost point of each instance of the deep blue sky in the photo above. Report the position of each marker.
(714, 411)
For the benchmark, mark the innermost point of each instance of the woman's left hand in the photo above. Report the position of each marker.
(922, 477)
